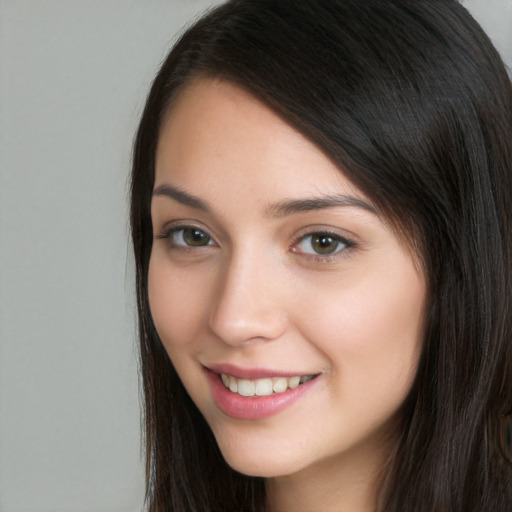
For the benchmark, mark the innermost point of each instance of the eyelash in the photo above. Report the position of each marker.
(338, 252)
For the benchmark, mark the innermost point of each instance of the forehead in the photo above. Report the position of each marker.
(216, 135)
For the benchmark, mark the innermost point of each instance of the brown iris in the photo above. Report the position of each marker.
(195, 237)
(323, 243)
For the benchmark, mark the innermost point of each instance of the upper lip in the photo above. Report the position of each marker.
(254, 372)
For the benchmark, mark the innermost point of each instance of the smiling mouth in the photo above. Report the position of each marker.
(265, 386)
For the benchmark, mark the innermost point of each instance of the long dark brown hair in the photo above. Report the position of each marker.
(413, 102)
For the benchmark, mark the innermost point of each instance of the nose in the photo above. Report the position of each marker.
(248, 306)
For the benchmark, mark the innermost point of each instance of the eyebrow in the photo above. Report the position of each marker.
(181, 196)
(281, 209)
(293, 206)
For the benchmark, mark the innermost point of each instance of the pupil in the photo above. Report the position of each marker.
(195, 237)
(325, 244)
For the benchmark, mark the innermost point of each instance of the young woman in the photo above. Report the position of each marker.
(322, 228)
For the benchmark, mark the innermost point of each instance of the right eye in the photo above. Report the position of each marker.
(187, 237)
(322, 244)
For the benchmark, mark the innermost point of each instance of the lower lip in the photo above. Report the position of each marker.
(254, 407)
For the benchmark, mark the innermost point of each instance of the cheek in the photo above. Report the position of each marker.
(176, 307)
(371, 333)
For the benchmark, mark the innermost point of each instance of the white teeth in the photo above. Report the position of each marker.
(262, 387)
(246, 387)
(294, 382)
(233, 384)
(280, 385)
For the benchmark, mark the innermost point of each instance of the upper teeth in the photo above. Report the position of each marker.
(262, 387)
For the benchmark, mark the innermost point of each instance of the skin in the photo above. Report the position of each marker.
(258, 294)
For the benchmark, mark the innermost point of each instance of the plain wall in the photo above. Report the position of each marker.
(73, 77)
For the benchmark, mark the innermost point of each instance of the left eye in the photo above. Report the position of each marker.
(188, 237)
(322, 244)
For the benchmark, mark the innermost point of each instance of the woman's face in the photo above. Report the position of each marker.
(273, 275)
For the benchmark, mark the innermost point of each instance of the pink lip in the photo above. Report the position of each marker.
(254, 407)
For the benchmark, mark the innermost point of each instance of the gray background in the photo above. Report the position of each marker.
(73, 76)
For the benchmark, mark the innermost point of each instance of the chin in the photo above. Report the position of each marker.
(260, 466)
(267, 459)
